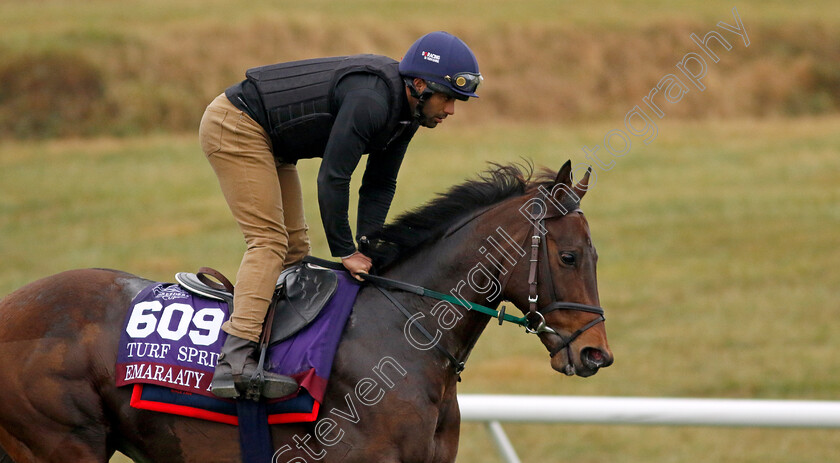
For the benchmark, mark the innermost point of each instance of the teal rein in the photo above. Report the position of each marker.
(421, 291)
(384, 284)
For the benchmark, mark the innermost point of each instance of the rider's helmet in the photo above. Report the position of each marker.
(445, 62)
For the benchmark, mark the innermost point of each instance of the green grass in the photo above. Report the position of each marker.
(718, 262)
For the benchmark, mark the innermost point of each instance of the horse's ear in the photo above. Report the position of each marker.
(583, 184)
(564, 176)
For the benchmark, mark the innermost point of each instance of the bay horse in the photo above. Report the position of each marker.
(391, 397)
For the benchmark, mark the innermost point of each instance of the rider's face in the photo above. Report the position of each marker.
(437, 108)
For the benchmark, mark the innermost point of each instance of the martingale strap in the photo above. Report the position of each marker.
(384, 284)
(457, 364)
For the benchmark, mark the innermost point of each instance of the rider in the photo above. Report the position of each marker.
(335, 108)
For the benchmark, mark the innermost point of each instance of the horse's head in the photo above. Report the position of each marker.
(555, 282)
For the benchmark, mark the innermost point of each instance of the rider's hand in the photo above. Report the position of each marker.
(357, 263)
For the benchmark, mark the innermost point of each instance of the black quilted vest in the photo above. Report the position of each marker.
(297, 98)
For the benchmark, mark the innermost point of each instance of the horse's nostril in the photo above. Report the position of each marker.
(594, 358)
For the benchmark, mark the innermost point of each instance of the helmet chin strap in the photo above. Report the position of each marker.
(421, 98)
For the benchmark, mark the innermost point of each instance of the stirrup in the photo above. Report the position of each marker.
(268, 385)
(224, 388)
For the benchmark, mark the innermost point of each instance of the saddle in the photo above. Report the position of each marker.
(301, 293)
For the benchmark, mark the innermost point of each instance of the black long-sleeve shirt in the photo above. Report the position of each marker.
(362, 100)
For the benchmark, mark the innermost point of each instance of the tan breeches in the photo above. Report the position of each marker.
(266, 201)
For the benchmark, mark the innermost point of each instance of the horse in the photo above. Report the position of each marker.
(510, 234)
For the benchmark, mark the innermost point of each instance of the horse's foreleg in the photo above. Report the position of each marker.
(447, 433)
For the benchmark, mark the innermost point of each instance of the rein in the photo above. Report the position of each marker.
(534, 316)
(384, 284)
(537, 266)
(387, 283)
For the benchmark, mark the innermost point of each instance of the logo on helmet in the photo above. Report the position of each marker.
(431, 57)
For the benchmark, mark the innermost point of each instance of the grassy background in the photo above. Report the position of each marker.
(718, 241)
(718, 247)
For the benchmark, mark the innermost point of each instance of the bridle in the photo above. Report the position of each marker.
(537, 266)
(534, 319)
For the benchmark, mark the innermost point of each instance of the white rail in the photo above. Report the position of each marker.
(493, 409)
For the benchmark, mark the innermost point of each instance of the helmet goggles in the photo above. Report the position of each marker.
(466, 82)
(461, 86)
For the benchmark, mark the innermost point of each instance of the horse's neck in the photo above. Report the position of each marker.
(444, 267)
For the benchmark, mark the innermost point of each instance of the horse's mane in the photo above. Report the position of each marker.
(430, 221)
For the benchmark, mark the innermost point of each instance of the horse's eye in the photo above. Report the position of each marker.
(568, 258)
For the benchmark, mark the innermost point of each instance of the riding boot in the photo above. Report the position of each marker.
(235, 367)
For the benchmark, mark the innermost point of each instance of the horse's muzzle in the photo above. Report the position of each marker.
(590, 360)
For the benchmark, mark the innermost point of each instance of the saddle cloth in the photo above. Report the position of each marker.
(301, 293)
(172, 338)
